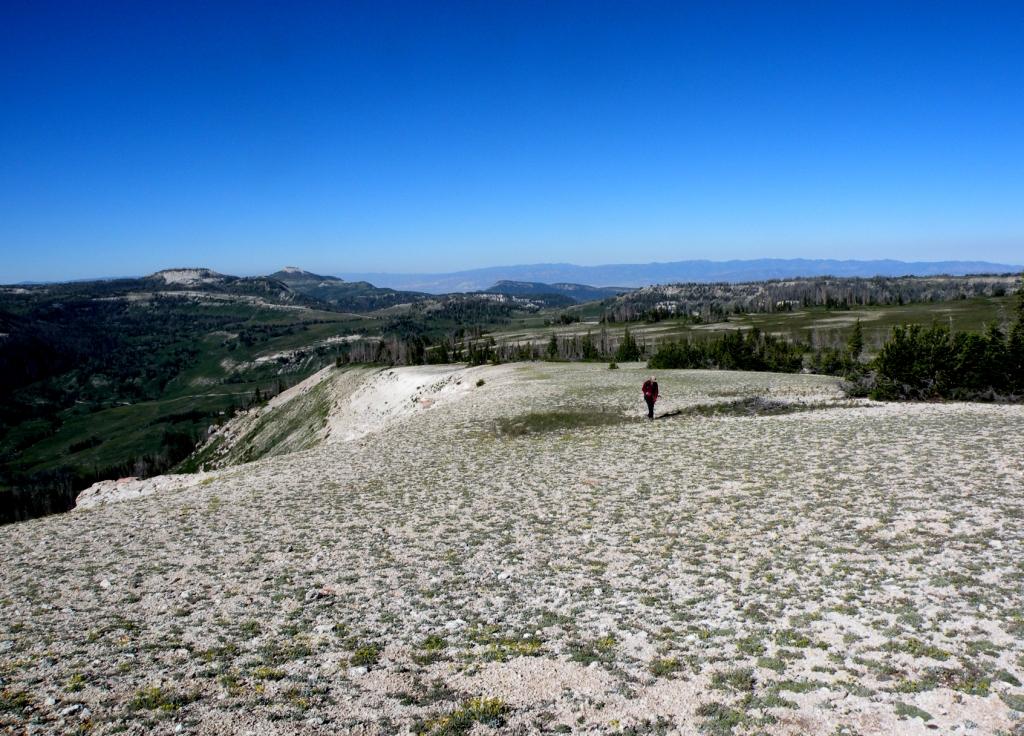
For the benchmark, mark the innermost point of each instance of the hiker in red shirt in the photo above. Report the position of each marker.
(650, 390)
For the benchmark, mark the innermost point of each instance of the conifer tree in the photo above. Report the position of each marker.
(552, 347)
(855, 345)
(628, 350)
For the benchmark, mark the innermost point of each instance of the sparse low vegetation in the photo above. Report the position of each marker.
(769, 554)
(486, 711)
(664, 666)
(13, 701)
(754, 406)
(539, 422)
(365, 655)
(155, 697)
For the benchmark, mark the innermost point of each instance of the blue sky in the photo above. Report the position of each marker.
(386, 136)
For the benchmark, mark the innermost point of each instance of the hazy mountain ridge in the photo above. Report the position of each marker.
(577, 292)
(645, 274)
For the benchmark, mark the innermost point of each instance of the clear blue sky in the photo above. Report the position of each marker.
(438, 136)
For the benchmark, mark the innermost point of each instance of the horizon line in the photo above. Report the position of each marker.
(1010, 268)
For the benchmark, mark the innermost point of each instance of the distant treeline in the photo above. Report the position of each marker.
(915, 363)
(702, 302)
(93, 351)
(585, 347)
(450, 312)
(750, 350)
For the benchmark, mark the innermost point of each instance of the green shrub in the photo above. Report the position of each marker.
(12, 701)
(751, 645)
(1013, 700)
(663, 666)
(156, 698)
(599, 650)
(740, 679)
(905, 710)
(487, 711)
(720, 719)
(433, 643)
(365, 656)
(771, 663)
(832, 362)
(268, 673)
(929, 363)
(742, 351)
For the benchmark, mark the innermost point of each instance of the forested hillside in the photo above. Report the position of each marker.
(354, 296)
(108, 378)
(713, 301)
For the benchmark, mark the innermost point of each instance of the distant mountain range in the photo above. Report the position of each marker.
(643, 274)
(577, 292)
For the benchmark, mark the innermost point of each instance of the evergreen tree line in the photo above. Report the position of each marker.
(586, 347)
(26, 495)
(472, 347)
(915, 363)
(752, 350)
(935, 362)
(712, 302)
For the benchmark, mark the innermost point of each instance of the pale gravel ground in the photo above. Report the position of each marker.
(859, 560)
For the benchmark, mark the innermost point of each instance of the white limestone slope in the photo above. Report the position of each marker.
(391, 396)
(333, 405)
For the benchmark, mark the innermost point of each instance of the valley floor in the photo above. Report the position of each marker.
(848, 568)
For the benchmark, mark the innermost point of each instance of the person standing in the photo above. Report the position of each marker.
(650, 390)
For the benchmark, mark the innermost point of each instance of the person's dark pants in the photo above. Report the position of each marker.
(650, 407)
